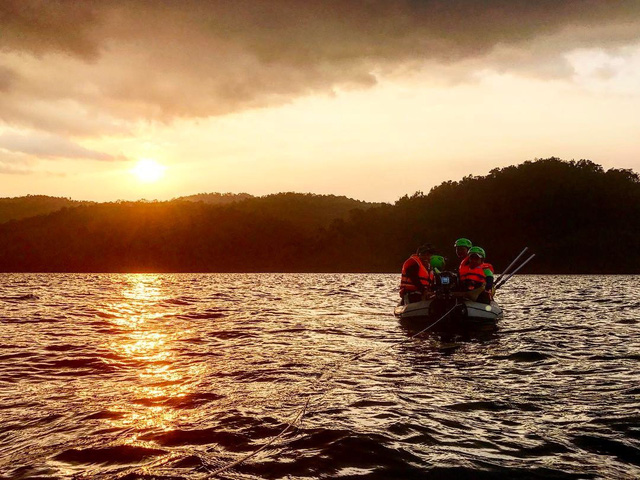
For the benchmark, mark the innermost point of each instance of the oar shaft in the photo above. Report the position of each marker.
(506, 270)
(515, 271)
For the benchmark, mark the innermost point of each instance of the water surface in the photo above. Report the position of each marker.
(175, 376)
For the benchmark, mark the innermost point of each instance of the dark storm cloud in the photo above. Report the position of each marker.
(41, 26)
(158, 60)
(307, 32)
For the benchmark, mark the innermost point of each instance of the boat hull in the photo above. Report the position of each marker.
(465, 313)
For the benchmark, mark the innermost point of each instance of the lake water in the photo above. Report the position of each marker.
(177, 376)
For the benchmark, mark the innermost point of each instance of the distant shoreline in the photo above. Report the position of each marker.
(575, 216)
(293, 273)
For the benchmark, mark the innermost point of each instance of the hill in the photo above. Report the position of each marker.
(307, 209)
(179, 235)
(17, 208)
(216, 198)
(576, 216)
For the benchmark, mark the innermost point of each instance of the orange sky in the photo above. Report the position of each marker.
(370, 99)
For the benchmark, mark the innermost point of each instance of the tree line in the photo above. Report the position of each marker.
(576, 216)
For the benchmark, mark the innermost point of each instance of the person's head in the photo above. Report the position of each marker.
(425, 251)
(476, 256)
(462, 246)
(437, 261)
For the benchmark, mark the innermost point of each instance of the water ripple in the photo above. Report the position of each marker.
(173, 376)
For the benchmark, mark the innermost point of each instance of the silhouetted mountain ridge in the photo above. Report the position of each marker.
(216, 198)
(577, 217)
(311, 209)
(17, 208)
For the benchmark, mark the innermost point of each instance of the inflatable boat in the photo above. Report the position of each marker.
(460, 314)
(436, 307)
(447, 309)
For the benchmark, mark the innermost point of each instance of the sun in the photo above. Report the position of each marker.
(148, 170)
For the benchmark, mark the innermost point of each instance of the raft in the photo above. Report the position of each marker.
(462, 313)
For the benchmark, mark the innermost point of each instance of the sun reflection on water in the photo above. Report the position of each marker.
(143, 287)
(146, 341)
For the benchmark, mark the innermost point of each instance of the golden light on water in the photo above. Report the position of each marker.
(146, 343)
(148, 170)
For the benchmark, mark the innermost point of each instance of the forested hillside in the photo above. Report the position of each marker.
(32, 205)
(312, 210)
(577, 217)
(216, 198)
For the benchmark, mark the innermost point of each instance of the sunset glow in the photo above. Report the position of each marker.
(404, 94)
(148, 170)
(319, 239)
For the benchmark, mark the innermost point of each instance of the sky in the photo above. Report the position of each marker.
(372, 99)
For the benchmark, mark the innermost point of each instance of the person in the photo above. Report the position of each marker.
(489, 289)
(476, 277)
(462, 247)
(417, 277)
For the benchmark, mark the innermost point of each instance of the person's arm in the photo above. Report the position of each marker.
(489, 274)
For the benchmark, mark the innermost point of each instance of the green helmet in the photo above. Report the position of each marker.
(477, 251)
(437, 261)
(463, 242)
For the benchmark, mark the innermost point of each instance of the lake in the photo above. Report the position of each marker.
(311, 376)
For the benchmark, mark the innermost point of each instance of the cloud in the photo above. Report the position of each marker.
(114, 63)
(50, 146)
(9, 170)
(15, 163)
(7, 78)
(41, 26)
(610, 72)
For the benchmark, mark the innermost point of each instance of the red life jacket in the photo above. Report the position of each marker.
(472, 278)
(464, 263)
(426, 276)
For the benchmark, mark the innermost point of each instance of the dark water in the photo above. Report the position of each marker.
(174, 376)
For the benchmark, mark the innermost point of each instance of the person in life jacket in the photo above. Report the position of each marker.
(462, 247)
(489, 289)
(417, 277)
(476, 277)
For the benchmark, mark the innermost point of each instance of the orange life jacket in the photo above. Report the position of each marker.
(426, 276)
(472, 278)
